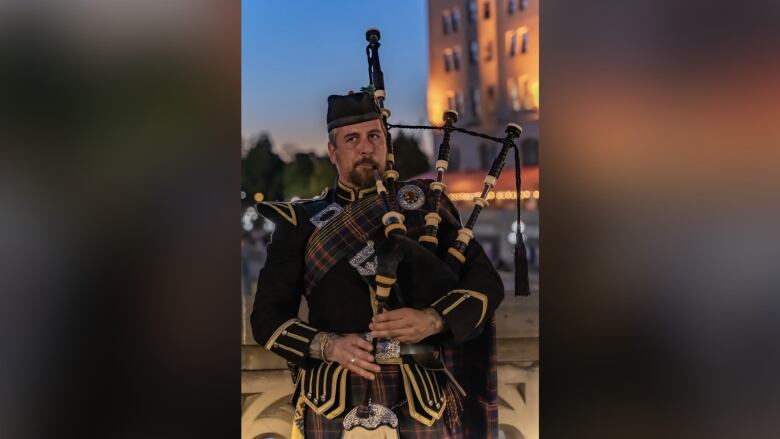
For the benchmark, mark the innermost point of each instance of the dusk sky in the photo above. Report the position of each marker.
(296, 53)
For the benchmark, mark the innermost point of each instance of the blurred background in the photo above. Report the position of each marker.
(478, 57)
(120, 169)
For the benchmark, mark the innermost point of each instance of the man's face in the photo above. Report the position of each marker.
(359, 148)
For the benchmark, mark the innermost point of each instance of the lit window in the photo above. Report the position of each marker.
(523, 5)
(447, 60)
(475, 102)
(472, 10)
(486, 10)
(451, 101)
(455, 19)
(514, 95)
(474, 52)
(455, 101)
(528, 99)
(446, 22)
(489, 51)
(491, 99)
(524, 47)
(512, 44)
(456, 58)
(511, 6)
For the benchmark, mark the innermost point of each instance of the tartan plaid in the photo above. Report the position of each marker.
(341, 237)
(388, 390)
(480, 381)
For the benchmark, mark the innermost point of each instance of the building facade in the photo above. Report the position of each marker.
(484, 63)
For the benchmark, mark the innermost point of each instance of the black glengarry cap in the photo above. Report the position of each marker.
(351, 109)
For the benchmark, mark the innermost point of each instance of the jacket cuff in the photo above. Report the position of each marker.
(463, 312)
(291, 341)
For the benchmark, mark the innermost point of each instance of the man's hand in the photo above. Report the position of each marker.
(406, 325)
(354, 353)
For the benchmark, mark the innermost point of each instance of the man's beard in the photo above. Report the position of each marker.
(362, 176)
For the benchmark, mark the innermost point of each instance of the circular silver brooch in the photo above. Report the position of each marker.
(411, 197)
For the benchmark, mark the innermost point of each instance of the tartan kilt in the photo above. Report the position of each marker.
(388, 390)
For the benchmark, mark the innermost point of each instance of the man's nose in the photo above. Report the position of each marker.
(365, 147)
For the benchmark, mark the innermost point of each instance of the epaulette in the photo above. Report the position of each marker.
(313, 205)
(275, 210)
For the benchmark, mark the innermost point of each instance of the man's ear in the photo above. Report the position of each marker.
(332, 153)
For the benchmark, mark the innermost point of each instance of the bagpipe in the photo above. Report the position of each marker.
(435, 276)
(400, 246)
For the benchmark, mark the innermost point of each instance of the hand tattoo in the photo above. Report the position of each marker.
(437, 323)
(321, 345)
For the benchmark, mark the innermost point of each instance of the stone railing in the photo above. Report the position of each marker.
(266, 384)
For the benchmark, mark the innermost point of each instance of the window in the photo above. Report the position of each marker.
(511, 6)
(489, 51)
(486, 10)
(514, 94)
(491, 99)
(524, 47)
(446, 22)
(475, 102)
(447, 60)
(521, 98)
(455, 101)
(523, 5)
(474, 52)
(456, 55)
(528, 99)
(472, 10)
(455, 19)
(512, 42)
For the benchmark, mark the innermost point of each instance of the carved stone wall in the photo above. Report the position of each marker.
(266, 411)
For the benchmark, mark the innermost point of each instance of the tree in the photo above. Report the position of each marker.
(261, 171)
(297, 176)
(323, 176)
(410, 161)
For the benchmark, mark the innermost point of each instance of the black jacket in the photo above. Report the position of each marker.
(341, 301)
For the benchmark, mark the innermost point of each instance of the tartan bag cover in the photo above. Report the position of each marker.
(479, 418)
(341, 237)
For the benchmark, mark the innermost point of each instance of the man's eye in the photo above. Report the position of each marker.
(351, 139)
(373, 136)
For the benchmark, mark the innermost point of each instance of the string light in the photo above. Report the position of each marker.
(498, 195)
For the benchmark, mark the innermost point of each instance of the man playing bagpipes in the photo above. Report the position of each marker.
(410, 355)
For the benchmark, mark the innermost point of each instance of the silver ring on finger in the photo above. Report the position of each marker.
(352, 360)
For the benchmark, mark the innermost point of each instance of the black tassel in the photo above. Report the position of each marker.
(522, 285)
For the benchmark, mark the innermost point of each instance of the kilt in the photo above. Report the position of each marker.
(388, 390)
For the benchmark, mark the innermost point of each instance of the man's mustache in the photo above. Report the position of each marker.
(367, 161)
